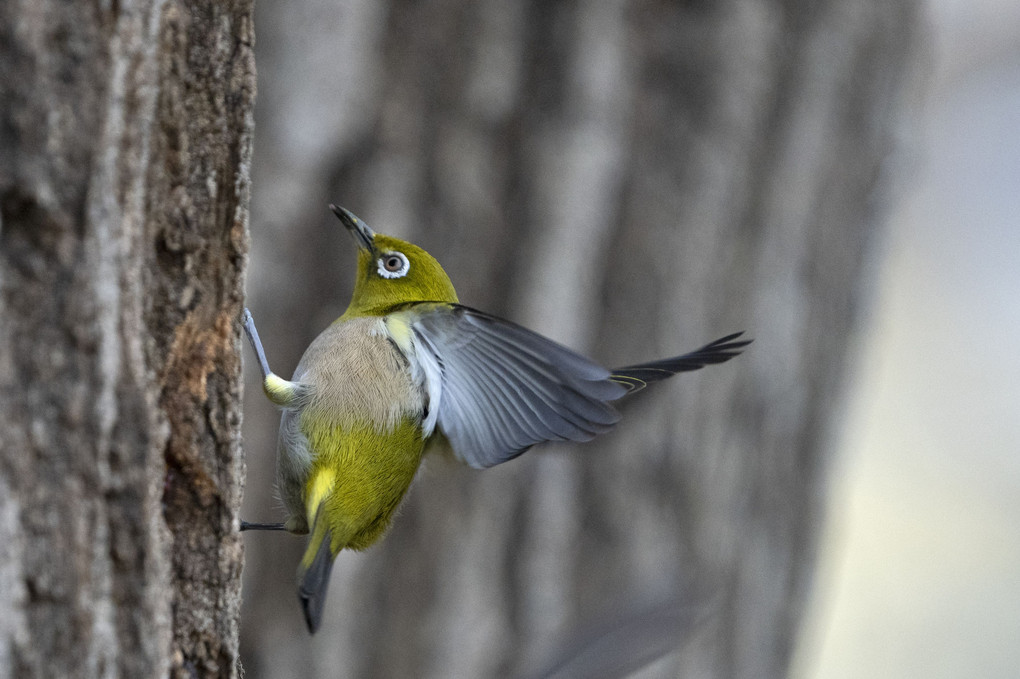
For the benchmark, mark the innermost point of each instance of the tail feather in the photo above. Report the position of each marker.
(313, 578)
(637, 377)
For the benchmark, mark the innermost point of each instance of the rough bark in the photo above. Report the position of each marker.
(125, 131)
(632, 178)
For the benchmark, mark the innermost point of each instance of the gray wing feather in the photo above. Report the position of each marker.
(505, 388)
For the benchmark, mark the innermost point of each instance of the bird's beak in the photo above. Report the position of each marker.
(359, 229)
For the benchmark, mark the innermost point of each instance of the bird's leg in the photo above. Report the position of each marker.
(280, 391)
(256, 344)
(245, 525)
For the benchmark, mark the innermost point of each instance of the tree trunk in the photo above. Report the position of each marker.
(125, 131)
(633, 179)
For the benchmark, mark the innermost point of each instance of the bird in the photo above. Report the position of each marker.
(407, 370)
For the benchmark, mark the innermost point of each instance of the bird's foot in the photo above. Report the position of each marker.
(246, 525)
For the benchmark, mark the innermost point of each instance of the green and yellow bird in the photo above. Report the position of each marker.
(405, 368)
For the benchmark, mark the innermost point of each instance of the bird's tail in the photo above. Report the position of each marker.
(637, 377)
(313, 573)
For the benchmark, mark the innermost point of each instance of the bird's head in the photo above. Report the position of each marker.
(391, 272)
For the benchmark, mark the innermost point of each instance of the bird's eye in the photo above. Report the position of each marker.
(393, 265)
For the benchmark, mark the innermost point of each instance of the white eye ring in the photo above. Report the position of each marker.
(393, 265)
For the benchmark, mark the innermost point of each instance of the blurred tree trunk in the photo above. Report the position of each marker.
(634, 179)
(125, 138)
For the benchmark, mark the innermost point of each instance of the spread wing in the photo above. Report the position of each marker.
(496, 388)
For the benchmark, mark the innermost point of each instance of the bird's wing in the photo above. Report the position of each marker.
(496, 388)
(637, 377)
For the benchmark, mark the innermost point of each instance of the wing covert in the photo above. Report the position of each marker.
(503, 388)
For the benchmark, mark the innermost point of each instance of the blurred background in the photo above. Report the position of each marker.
(635, 179)
(920, 568)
